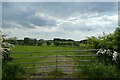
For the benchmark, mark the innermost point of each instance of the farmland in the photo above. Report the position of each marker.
(40, 51)
(39, 56)
(26, 54)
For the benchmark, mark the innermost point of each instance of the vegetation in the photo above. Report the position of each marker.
(94, 70)
(117, 39)
(56, 74)
(110, 41)
(42, 50)
(99, 70)
(12, 71)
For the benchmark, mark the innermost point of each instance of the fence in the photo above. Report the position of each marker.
(47, 61)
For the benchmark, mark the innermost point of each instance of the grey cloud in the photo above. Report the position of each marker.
(40, 21)
(13, 13)
(77, 27)
(68, 8)
(104, 6)
(63, 9)
(20, 15)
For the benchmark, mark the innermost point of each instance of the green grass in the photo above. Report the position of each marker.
(37, 49)
(93, 68)
(41, 49)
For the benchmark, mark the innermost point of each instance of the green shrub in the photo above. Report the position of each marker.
(12, 71)
(99, 70)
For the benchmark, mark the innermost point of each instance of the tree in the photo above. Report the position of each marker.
(12, 40)
(93, 42)
(33, 41)
(26, 41)
(48, 43)
(76, 44)
(20, 42)
(56, 43)
(39, 43)
(5, 50)
(117, 39)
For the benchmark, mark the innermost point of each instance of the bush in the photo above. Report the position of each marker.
(99, 70)
(48, 43)
(12, 71)
(40, 44)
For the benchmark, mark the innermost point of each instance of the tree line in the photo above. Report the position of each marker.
(110, 41)
(35, 42)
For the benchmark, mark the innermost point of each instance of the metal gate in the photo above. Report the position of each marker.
(67, 61)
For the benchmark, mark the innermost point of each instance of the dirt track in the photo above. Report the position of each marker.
(48, 69)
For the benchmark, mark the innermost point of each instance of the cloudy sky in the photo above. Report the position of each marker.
(48, 20)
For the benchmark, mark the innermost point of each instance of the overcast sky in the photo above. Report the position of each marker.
(48, 20)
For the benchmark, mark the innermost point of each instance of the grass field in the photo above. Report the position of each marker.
(40, 48)
(41, 51)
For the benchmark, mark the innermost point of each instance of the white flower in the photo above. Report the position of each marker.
(101, 51)
(115, 54)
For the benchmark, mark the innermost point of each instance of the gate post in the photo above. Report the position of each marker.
(56, 61)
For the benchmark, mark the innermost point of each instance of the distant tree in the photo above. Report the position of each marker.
(83, 41)
(40, 43)
(56, 43)
(20, 42)
(35, 41)
(56, 39)
(76, 44)
(69, 44)
(48, 43)
(63, 40)
(27, 41)
(41, 40)
(70, 40)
